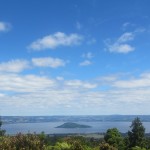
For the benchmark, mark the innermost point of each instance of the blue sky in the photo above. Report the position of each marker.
(74, 57)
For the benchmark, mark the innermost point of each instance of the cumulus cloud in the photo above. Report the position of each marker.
(55, 40)
(48, 62)
(121, 48)
(85, 63)
(16, 65)
(121, 45)
(4, 26)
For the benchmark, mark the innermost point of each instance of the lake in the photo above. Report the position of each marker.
(49, 127)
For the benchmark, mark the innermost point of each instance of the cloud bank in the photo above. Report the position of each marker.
(45, 95)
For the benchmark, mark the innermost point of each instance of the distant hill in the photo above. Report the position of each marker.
(73, 125)
(90, 118)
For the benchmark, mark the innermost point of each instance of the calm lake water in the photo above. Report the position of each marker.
(49, 127)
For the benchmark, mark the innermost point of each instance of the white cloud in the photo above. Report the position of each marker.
(39, 93)
(121, 45)
(142, 82)
(56, 40)
(48, 62)
(4, 26)
(28, 83)
(88, 55)
(80, 84)
(14, 66)
(85, 63)
(127, 25)
(140, 30)
(109, 78)
(121, 48)
(19, 65)
(43, 95)
(2, 95)
(128, 36)
(59, 78)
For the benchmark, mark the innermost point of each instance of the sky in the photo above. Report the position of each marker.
(74, 57)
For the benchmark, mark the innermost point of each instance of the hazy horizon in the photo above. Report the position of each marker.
(73, 115)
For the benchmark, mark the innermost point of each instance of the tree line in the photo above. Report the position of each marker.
(113, 140)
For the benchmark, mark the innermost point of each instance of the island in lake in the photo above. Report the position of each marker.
(73, 125)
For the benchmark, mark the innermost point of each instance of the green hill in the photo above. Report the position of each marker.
(73, 125)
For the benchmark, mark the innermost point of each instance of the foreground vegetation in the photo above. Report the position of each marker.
(113, 140)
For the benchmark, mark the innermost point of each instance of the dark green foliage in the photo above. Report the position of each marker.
(42, 137)
(147, 143)
(2, 132)
(51, 140)
(0, 122)
(92, 142)
(114, 138)
(137, 134)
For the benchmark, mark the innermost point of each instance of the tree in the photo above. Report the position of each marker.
(147, 142)
(2, 132)
(137, 134)
(0, 122)
(114, 138)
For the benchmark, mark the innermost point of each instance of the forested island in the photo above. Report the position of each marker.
(73, 125)
(134, 139)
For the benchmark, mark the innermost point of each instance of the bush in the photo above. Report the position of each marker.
(21, 142)
(106, 146)
(137, 148)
